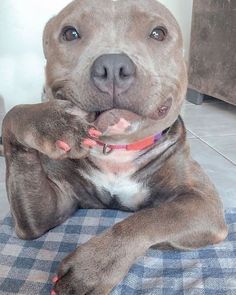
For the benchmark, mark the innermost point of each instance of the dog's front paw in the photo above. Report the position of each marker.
(95, 268)
(58, 129)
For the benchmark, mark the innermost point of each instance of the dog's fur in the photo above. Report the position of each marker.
(174, 201)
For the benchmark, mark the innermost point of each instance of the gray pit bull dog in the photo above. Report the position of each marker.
(115, 75)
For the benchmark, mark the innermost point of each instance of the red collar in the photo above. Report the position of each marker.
(136, 146)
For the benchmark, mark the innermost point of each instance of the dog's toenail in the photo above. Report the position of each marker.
(89, 142)
(55, 279)
(94, 133)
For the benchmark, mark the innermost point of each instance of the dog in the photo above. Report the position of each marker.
(110, 135)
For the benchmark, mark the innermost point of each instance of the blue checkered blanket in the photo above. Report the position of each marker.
(26, 267)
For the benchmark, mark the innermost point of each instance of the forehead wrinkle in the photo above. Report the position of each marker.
(115, 11)
(154, 16)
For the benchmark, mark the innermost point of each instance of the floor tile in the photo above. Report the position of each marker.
(210, 119)
(190, 135)
(4, 204)
(219, 169)
(225, 145)
(187, 102)
(2, 169)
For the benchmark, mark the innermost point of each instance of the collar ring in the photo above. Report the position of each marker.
(107, 149)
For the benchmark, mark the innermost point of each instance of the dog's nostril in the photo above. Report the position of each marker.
(105, 75)
(122, 73)
(127, 71)
(100, 72)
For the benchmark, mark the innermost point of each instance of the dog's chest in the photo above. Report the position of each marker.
(116, 179)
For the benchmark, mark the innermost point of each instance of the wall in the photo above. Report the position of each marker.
(21, 56)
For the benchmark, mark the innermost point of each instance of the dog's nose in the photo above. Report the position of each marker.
(113, 73)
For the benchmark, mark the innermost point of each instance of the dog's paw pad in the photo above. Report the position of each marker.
(63, 146)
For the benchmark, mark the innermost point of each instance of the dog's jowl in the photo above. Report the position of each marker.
(110, 136)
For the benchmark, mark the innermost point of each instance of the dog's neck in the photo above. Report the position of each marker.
(122, 161)
(136, 146)
(129, 161)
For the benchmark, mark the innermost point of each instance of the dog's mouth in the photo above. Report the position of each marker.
(116, 121)
(98, 114)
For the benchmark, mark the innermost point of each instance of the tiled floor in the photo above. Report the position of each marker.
(212, 136)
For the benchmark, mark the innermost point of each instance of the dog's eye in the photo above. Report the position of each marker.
(159, 33)
(70, 34)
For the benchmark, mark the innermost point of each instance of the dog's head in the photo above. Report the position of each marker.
(118, 54)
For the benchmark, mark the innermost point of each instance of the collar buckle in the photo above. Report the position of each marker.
(107, 149)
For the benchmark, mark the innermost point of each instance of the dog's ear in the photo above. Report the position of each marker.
(46, 36)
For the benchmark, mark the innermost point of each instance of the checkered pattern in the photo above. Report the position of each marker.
(26, 267)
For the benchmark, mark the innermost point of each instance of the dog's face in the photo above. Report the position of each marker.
(123, 54)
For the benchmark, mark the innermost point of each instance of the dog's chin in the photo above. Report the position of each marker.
(117, 121)
(119, 126)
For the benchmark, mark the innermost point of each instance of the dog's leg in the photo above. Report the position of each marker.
(97, 266)
(37, 203)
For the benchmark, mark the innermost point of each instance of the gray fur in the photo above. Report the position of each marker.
(173, 200)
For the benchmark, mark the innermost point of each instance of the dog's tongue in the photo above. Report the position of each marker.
(115, 121)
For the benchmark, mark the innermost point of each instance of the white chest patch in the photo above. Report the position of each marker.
(128, 192)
